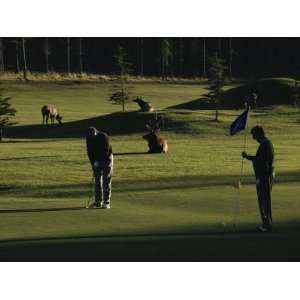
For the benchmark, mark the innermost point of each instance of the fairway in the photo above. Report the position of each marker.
(175, 206)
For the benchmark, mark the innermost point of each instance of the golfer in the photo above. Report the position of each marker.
(100, 155)
(264, 173)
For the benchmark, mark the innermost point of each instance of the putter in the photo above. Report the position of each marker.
(88, 201)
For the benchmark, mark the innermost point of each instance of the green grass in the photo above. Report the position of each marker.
(162, 205)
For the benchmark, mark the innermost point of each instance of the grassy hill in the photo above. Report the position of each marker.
(270, 91)
(180, 205)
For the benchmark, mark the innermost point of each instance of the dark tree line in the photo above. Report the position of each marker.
(161, 56)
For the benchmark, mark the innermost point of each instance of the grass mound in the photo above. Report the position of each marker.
(270, 91)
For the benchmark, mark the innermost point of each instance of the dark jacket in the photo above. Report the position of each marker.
(263, 160)
(99, 148)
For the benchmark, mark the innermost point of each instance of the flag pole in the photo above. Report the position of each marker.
(245, 143)
(239, 183)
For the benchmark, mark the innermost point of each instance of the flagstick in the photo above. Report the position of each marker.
(239, 183)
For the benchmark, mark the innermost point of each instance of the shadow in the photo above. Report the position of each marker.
(27, 157)
(211, 244)
(26, 210)
(22, 141)
(179, 183)
(113, 124)
(271, 91)
(196, 104)
(131, 153)
(6, 187)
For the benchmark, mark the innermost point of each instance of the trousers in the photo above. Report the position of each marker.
(103, 178)
(263, 189)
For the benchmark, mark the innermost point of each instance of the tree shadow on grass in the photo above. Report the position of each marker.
(113, 124)
(27, 158)
(181, 243)
(131, 153)
(179, 183)
(26, 210)
(6, 187)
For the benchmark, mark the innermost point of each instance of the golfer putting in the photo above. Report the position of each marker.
(100, 154)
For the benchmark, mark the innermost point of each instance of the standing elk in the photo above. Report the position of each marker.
(51, 111)
(144, 105)
(156, 144)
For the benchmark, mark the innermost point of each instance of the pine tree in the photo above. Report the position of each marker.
(166, 56)
(121, 93)
(23, 42)
(80, 55)
(230, 57)
(47, 52)
(141, 56)
(1, 55)
(68, 56)
(216, 81)
(16, 42)
(204, 58)
(181, 60)
(6, 112)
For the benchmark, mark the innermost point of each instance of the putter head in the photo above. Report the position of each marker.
(237, 185)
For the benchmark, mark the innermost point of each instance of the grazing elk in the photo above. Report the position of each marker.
(156, 144)
(144, 105)
(51, 111)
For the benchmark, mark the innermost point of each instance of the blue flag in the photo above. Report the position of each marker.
(240, 123)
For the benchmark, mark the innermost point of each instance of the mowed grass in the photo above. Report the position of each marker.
(158, 200)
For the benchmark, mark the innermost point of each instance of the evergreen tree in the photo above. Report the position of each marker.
(216, 81)
(204, 57)
(141, 56)
(181, 60)
(230, 57)
(16, 42)
(1, 55)
(68, 56)
(80, 55)
(121, 93)
(47, 52)
(23, 42)
(296, 94)
(6, 112)
(166, 56)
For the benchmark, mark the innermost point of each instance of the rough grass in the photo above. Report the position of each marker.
(158, 200)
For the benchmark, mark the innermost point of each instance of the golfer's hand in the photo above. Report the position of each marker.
(244, 154)
(96, 165)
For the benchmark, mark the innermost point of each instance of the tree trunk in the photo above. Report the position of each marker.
(220, 47)
(1, 134)
(204, 58)
(180, 57)
(1, 55)
(17, 57)
(80, 56)
(217, 115)
(142, 56)
(24, 60)
(68, 56)
(47, 55)
(230, 58)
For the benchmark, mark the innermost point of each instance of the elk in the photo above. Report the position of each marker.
(144, 105)
(50, 111)
(156, 144)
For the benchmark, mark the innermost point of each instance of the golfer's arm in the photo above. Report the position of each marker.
(90, 155)
(250, 157)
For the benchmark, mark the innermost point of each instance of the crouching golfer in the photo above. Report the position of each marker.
(264, 172)
(101, 157)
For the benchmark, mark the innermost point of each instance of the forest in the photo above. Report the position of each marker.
(246, 57)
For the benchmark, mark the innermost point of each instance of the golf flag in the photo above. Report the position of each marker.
(240, 123)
